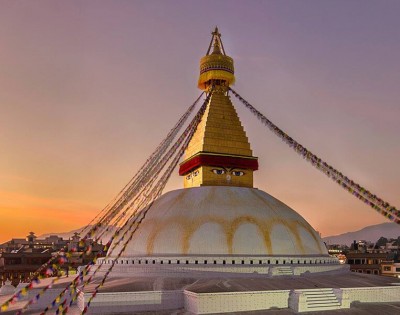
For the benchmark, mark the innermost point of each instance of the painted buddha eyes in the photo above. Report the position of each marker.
(218, 171)
(191, 175)
(237, 173)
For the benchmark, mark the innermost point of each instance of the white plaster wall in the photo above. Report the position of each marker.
(208, 303)
(319, 268)
(129, 302)
(375, 294)
(248, 233)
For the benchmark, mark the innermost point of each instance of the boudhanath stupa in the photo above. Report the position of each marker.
(220, 245)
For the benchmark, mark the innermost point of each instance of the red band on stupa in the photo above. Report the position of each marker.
(218, 160)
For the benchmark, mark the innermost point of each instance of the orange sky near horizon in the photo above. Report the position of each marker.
(89, 89)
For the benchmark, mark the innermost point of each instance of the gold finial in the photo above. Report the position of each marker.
(216, 32)
(216, 43)
(217, 65)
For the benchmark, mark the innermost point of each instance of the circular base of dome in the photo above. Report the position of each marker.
(209, 266)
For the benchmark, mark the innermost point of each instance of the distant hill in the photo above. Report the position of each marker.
(370, 233)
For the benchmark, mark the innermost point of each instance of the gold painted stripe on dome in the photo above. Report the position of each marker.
(229, 227)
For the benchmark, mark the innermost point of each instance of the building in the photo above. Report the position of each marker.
(366, 262)
(367, 257)
(20, 258)
(390, 269)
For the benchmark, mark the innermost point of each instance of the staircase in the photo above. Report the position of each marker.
(309, 300)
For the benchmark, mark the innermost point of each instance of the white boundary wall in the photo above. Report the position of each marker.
(374, 294)
(223, 302)
(207, 303)
(128, 302)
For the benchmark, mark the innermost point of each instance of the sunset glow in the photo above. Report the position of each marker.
(88, 89)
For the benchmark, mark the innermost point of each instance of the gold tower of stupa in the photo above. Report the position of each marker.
(219, 153)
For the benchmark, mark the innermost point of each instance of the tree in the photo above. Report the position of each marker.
(381, 242)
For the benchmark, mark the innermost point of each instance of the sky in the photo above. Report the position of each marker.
(89, 88)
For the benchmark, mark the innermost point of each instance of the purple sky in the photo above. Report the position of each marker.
(89, 88)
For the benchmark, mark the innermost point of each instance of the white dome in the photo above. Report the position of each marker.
(220, 221)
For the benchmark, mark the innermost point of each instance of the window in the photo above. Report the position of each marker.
(187, 262)
(161, 262)
(251, 262)
(178, 262)
(169, 262)
(269, 262)
(260, 262)
(215, 262)
(205, 262)
(154, 262)
(387, 268)
(284, 262)
(242, 262)
(233, 262)
(196, 262)
(223, 262)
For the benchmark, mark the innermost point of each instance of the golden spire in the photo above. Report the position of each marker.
(219, 153)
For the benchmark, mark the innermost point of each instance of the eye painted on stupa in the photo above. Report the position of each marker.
(218, 171)
(195, 173)
(237, 173)
(189, 176)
